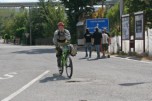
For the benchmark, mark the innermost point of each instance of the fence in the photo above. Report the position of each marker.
(44, 41)
(116, 44)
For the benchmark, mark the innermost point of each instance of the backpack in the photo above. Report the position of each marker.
(73, 49)
(61, 37)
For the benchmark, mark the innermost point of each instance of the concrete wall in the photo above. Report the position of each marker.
(149, 42)
(115, 44)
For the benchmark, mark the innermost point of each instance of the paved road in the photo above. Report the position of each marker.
(30, 74)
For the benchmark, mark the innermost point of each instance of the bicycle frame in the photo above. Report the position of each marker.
(66, 61)
(64, 55)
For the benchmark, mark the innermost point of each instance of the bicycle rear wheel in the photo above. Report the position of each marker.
(69, 67)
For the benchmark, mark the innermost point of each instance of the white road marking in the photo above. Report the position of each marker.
(9, 75)
(127, 58)
(24, 87)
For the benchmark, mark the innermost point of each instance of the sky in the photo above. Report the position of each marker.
(22, 0)
(19, 0)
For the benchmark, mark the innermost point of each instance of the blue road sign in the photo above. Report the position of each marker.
(101, 23)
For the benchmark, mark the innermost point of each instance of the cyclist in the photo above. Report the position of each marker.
(61, 36)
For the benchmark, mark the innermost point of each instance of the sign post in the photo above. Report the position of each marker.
(139, 27)
(125, 30)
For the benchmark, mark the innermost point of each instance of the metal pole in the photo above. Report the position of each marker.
(121, 4)
(144, 32)
(121, 7)
(30, 25)
(26, 40)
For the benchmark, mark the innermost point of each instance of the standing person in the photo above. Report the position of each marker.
(97, 40)
(88, 45)
(61, 36)
(105, 43)
(105, 31)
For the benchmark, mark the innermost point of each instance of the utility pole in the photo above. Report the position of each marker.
(121, 4)
(121, 7)
(30, 25)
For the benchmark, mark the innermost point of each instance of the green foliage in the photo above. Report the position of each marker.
(14, 24)
(78, 9)
(44, 19)
(20, 32)
(114, 20)
(75, 10)
(6, 36)
(6, 21)
(20, 22)
(132, 6)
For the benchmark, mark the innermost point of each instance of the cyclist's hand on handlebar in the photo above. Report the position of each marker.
(67, 41)
(57, 48)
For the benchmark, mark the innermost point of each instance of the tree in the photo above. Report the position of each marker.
(6, 21)
(75, 9)
(114, 20)
(132, 6)
(45, 18)
(20, 22)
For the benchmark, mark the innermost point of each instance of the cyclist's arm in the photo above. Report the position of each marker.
(67, 35)
(55, 37)
(109, 40)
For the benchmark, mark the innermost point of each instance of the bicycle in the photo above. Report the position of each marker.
(66, 61)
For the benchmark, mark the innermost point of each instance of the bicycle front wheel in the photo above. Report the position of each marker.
(69, 67)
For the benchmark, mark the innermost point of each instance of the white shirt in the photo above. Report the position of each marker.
(105, 38)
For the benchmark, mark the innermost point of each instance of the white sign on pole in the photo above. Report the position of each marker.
(125, 27)
(139, 25)
(26, 34)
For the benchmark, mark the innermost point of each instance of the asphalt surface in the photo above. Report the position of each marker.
(29, 73)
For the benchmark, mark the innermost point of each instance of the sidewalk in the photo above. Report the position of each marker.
(1, 41)
(5, 44)
(141, 58)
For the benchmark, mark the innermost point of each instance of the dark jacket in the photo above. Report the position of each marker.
(97, 37)
(88, 37)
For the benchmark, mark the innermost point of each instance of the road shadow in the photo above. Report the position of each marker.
(36, 51)
(133, 84)
(104, 58)
(82, 58)
(130, 57)
(134, 58)
(93, 59)
(55, 77)
(122, 56)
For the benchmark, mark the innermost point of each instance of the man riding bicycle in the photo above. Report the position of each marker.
(61, 36)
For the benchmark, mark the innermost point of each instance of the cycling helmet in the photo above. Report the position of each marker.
(60, 24)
